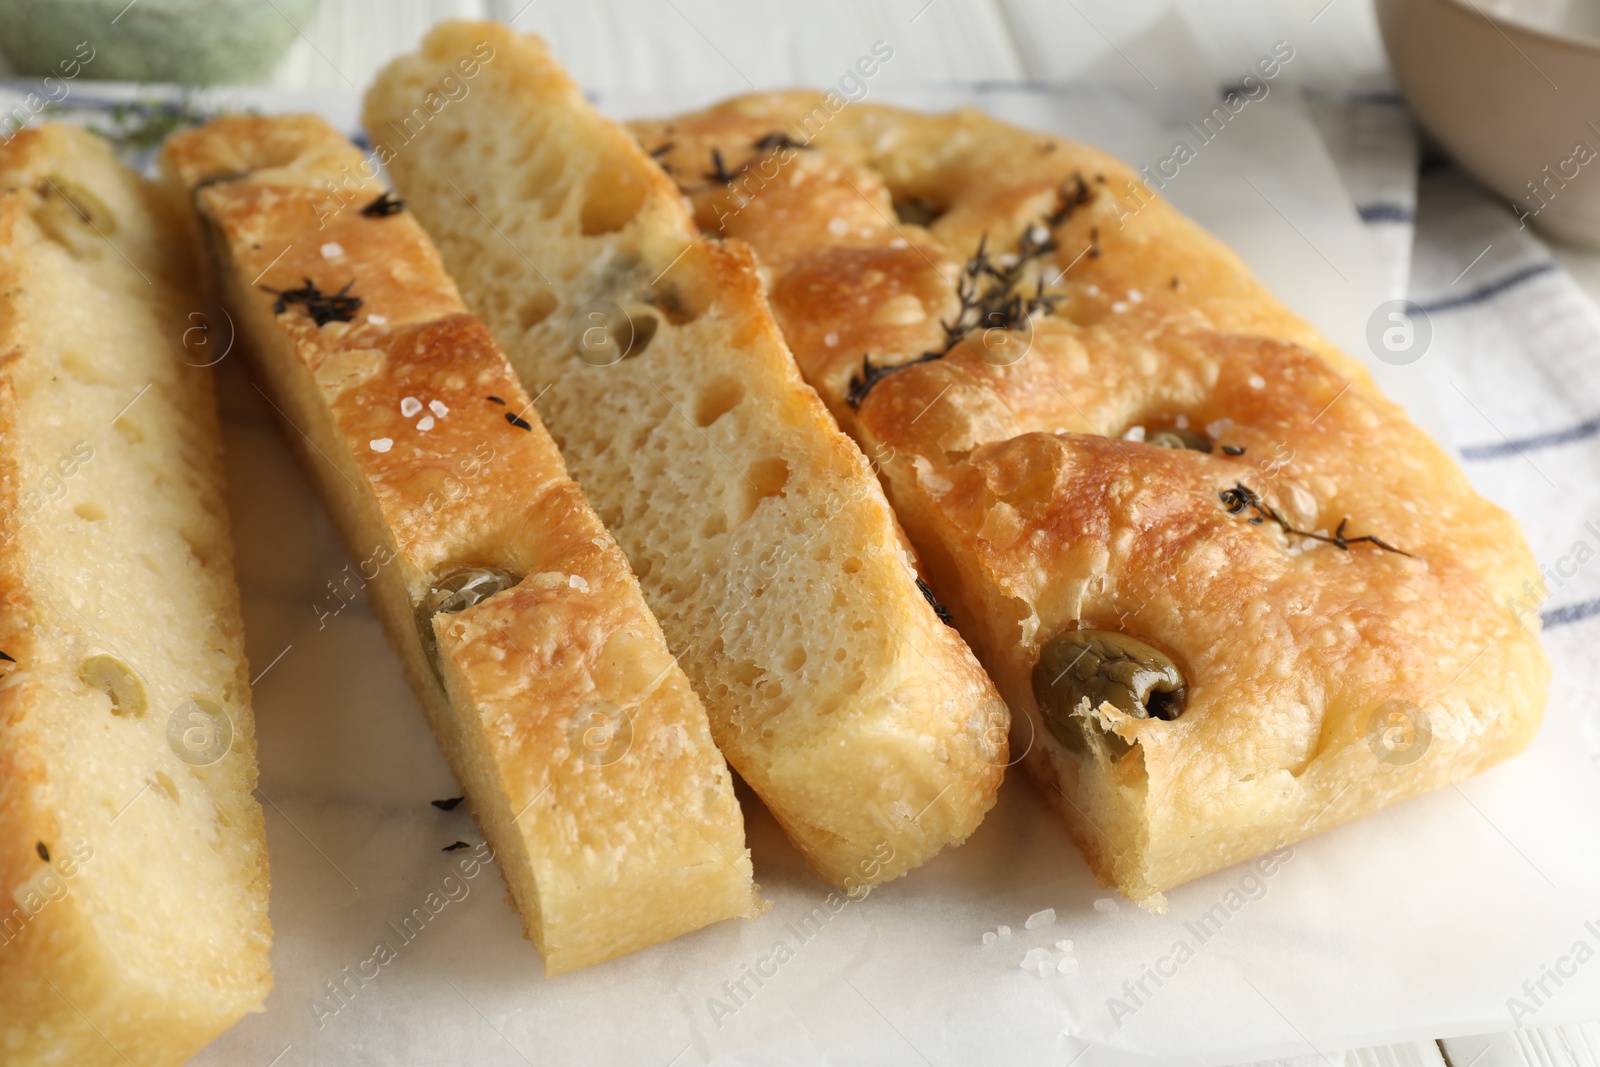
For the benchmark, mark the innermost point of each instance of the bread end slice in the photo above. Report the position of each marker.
(133, 868)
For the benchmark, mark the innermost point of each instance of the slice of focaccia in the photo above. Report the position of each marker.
(1238, 596)
(133, 865)
(584, 753)
(759, 533)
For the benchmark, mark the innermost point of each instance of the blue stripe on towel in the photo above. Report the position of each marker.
(1570, 613)
(1384, 211)
(1544, 440)
(1494, 288)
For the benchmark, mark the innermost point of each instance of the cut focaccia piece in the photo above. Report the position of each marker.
(133, 864)
(1238, 596)
(584, 753)
(759, 532)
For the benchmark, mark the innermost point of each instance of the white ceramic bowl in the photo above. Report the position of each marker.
(1512, 91)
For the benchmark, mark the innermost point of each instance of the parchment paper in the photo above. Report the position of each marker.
(1418, 922)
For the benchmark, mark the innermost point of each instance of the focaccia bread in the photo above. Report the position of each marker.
(759, 532)
(584, 753)
(133, 863)
(1237, 596)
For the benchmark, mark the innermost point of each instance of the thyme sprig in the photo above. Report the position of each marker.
(777, 139)
(933, 602)
(989, 298)
(1241, 497)
(1073, 194)
(719, 172)
(385, 205)
(322, 307)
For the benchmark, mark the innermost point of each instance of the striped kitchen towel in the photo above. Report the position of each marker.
(1515, 361)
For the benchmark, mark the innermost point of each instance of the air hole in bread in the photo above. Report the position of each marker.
(129, 431)
(536, 308)
(674, 305)
(917, 210)
(719, 398)
(544, 170)
(84, 369)
(714, 526)
(677, 595)
(165, 785)
(613, 197)
(794, 659)
(552, 203)
(645, 325)
(852, 565)
(762, 479)
(116, 680)
(89, 512)
(745, 672)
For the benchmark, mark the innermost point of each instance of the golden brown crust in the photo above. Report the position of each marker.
(760, 534)
(1035, 515)
(425, 443)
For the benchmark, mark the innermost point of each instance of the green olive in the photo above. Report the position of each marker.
(1180, 437)
(462, 589)
(116, 680)
(456, 591)
(69, 210)
(1104, 667)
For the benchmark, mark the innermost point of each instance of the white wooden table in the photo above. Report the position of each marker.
(723, 47)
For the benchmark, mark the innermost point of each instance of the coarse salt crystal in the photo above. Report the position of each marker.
(989, 937)
(1093, 290)
(1181, 422)
(1257, 382)
(332, 250)
(1040, 918)
(1219, 427)
(425, 423)
(1135, 295)
(1065, 945)
(1119, 307)
(382, 444)
(1105, 905)
(1067, 965)
(438, 408)
(899, 242)
(1004, 931)
(830, 338)
(410, 406)
(1135, 433)
(1034, 958)
(377, 320)
(838, 227)
(577, 582)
